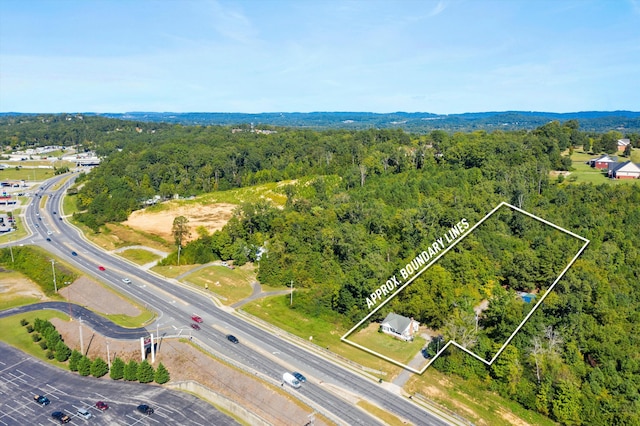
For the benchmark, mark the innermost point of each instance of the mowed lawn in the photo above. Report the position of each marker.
(398, 350)
(16, 335)
(583, 173)
(139, 256)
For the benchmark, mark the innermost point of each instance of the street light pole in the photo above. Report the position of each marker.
(55, 286)
(291, 302)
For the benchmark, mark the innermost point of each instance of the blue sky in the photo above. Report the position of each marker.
(440, 56)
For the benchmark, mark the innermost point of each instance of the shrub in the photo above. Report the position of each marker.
(99, 368)
(131, 371)
(24, 322)
(145, 372)
(36, 337)
(50, 354)
(74, 360)
(30, 328)
(117, 369)
(43, 345)
(84, 366)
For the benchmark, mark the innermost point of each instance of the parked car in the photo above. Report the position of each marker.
(196, 318)
(195, 326)
(41, 399)
(299, 376)
(101, 405)
(232, 338)
(84, 413)
(60, 416)
(145, 409)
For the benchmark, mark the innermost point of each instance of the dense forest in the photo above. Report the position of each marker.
(360, 203)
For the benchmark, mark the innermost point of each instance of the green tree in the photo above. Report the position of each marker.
(74, 360)
(99, 367)
(161, 375)
(145, 372)
(131, 371)
(84, 366)
(62, 351)
(117, 369)
(566, 405)
(180, 230)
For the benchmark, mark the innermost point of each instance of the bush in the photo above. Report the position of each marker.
(24, 322)
(36, 337)
(62, 351)
(30, 328)
(74, 360)
(131, 371)
(43, 345)
(50, 354)
(145, 372)
(84, 366)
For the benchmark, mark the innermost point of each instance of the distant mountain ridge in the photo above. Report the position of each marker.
(597, 121)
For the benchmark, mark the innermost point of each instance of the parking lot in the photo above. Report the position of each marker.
(22, 377)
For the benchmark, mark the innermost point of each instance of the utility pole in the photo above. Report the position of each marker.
(291, 302)
(11, 250)
(179, 254)
(81, 342)
(108, 354)
(53, 268)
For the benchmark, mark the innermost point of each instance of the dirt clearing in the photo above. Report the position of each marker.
(212, 217)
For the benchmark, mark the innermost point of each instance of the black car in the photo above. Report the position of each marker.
(62, 417)
(41, 399)
(145, 409)
(73, 253)
(232, 338)
(48, 239)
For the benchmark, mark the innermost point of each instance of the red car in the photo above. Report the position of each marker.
(195, 326)
(101, 268)
(196, 318)
(101, 405)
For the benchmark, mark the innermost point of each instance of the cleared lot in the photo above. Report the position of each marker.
(22, 377)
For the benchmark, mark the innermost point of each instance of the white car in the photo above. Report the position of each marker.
(126, 280)
(84, 413)
(49, 232)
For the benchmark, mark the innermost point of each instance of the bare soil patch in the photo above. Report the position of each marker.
(88, 293)
(212, 217)
(13, 286)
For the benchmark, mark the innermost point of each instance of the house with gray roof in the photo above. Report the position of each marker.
(399, 327)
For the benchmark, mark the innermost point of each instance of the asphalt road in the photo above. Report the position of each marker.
(22, 377)
(258, 351)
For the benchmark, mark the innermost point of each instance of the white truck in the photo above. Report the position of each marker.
(289, 379)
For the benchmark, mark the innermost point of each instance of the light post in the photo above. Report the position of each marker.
(53, 268)
(11, 250)
(291, 302)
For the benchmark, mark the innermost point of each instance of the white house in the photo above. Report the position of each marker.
(400, 327)
(626, 170)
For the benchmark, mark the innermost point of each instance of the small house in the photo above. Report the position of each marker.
(626, 170)
(602, 162)
(399, 327)
(623, 144)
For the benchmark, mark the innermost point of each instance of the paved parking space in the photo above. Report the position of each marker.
(22, 377)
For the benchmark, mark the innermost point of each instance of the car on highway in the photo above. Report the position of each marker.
(73, 253)
(232, 338)
(54, 212)
(49, 232)
(196, 318)
(299, 376)
(145, 409)
(195, 326)
(101, 405)
(85, 414)
(61, 417)
(126, 280)
(102, 268)
(41, 399)
(48, 239)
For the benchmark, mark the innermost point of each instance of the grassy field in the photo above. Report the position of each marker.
(234, 285)
(468, 399)
(380, 414)
(29, 175)
(172, 271)
(131, 322)
(69, 205)
(16, 335)
(268, 191)
(139, 256)
(115, 235)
